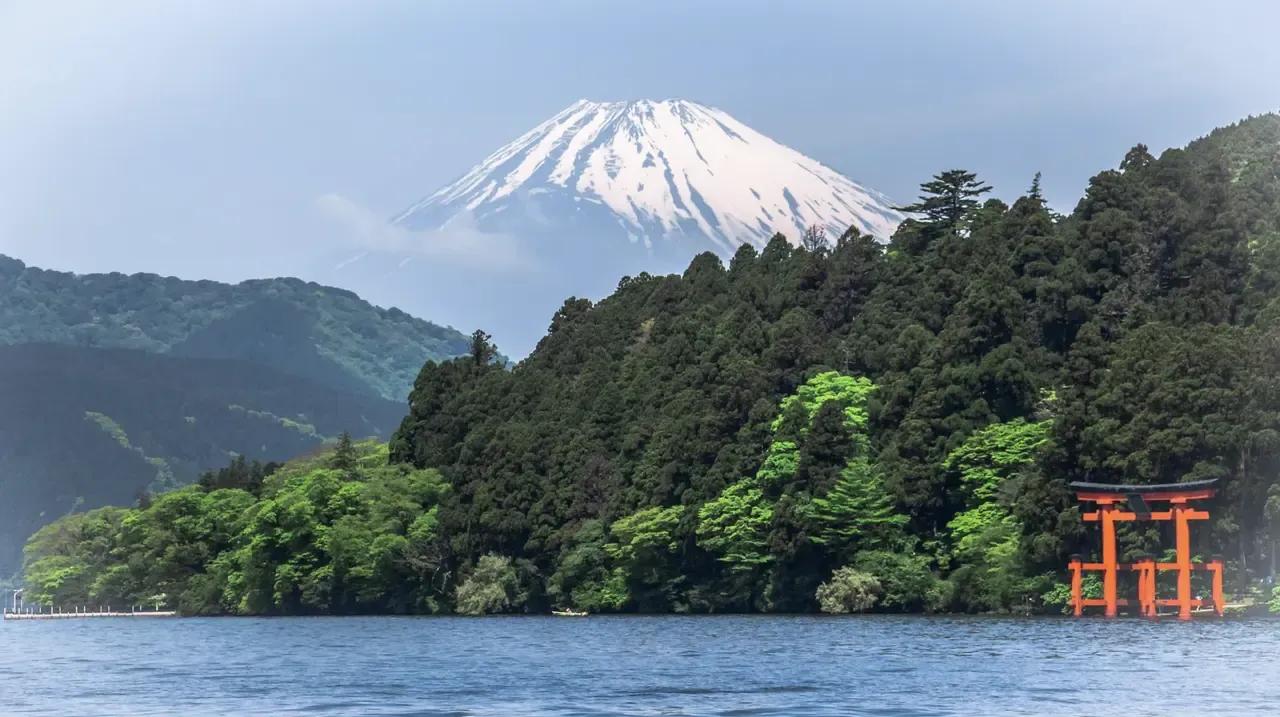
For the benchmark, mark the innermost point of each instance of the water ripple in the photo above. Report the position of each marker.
(638, 667)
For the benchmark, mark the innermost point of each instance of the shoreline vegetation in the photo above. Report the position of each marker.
(839, 426)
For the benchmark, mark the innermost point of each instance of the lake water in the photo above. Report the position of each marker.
(433, 667)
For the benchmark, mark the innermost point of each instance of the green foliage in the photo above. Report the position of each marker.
(493, 587)
(301, 328)
(780, 464)
(481, 348)
(56, 580)
(82, 428)
(850, 392)
(644, 534)
(344, 455)
(735, 526)
(1058, 596)
(584, 578)
(988, 570)
(302, 538)
(996, 454)
(858, 513)
(907, 584)
(848, 591)
(109, 427)
(182, 374)
(950, 197)
(239, 473)
(305, 429)
(642, 549)
(164, 478)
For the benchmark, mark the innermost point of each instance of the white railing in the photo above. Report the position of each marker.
(48, 612)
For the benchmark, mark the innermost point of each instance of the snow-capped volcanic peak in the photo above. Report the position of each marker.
(663, 169)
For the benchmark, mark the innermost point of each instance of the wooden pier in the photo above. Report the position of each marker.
(74, 615)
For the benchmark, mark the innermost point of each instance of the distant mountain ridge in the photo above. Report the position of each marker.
(322, 333)
(115, 385)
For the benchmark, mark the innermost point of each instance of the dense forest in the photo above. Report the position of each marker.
(839, 425)
(301, 328)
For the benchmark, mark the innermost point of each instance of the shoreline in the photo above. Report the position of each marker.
(1089, 619)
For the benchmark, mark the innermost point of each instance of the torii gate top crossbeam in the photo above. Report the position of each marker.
(1110, 493)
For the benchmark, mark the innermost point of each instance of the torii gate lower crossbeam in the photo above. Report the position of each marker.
(1111, 500)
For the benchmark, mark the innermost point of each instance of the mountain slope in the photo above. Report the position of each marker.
(600, 191)
(84, 427)
(328, 335)
(660, 170)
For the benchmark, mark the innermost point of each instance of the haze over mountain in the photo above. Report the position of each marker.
(603, 190)
(318, 332)
(113, 384)
(84, 427)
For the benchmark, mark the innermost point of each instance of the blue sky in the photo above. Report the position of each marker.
(197, 139)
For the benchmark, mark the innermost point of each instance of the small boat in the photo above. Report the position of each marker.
(569, 613)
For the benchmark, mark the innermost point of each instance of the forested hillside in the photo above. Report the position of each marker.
(1007, 351)
(344, 529)
(328, 335)
(82, 428)
(114, 385)
(838, 426)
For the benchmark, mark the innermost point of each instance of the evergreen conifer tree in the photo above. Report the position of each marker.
(344, 454)
(949, 198)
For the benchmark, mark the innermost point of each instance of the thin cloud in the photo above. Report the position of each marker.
(459, 244)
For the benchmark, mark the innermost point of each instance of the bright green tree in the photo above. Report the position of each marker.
(848, 591)
(493, 587)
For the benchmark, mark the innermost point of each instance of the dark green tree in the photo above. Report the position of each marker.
(949, 198)
(482, 350)
(344, 454)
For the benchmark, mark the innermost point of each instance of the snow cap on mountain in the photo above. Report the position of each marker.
(661, 170)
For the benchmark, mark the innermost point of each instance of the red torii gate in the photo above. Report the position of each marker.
(1111, 500)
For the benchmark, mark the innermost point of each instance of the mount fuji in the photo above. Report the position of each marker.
(600, 191)
(655, 173)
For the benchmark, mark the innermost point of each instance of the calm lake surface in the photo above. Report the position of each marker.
(434, 667)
